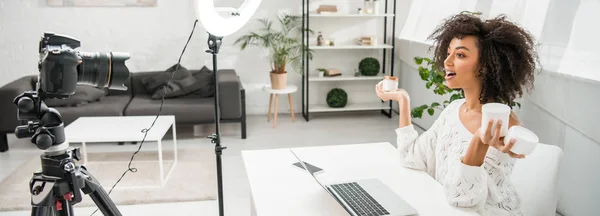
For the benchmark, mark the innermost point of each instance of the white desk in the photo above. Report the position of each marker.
(277, 188)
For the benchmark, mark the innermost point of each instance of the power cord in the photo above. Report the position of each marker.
(145, 130)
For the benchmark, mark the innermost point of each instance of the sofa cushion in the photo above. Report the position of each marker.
(109, 106)
(83, 95)
(185, 109)
(177, 87)
(205, 82)
(153, 82)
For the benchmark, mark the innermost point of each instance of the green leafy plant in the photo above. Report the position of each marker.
(337, 98)
(369, 66)
(434, 78)
(284, 44)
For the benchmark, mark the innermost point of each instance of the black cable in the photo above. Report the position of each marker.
(145, 130)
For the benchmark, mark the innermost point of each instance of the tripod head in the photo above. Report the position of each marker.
(45, 126)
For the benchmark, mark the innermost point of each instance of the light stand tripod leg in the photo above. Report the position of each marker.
(214, 43)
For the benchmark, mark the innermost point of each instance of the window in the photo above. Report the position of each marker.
(583, 48)
(425, 15)
(565, 29)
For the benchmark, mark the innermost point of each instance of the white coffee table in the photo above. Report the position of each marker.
(123, 129)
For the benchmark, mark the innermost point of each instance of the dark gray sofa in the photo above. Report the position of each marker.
(188, 109)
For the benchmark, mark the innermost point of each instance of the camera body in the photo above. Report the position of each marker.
(62, 67)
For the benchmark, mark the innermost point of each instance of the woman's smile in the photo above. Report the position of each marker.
(449, 74)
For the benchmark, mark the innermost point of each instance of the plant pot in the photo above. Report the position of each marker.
(278, 80)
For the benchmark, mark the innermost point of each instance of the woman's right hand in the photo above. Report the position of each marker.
(399, 95)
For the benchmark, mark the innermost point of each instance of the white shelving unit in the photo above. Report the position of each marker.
(387, 47)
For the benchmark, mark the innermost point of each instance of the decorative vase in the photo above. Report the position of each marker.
(278, 80)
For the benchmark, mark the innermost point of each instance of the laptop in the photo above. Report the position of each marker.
(365, 197)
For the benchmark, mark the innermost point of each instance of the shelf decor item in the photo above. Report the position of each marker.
(320, 39)
(369, 66)
(323, 9)
(376, 6)
(368, 7)
(285, 46)
(337, 98)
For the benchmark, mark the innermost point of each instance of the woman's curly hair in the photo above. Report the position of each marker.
(507, 57)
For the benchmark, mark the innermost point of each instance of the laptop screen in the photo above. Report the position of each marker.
(323, 186)
(312, 174)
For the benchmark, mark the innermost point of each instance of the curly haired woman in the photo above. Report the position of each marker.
(490, 61)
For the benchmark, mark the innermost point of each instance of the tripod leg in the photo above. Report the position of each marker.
(42, 211)
(93, 188)
(65, 208)
(104, 203)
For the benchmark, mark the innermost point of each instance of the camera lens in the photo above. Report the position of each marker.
(103, 70)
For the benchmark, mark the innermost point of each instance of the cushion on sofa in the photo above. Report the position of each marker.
(152, 82)
(186, 109)
(205, 82)
(83, 95)
(177, 87)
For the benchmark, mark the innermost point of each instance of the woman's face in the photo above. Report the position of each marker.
(462, 63)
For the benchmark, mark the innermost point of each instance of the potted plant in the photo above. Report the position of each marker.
(284, 45)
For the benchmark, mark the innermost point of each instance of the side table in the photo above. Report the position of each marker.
(289, 89)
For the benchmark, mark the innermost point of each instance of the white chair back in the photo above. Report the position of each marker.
(536, 180)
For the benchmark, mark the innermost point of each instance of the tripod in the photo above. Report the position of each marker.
(214, 43)
(58, 186)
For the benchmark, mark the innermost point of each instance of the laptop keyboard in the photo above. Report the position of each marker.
(359, 200)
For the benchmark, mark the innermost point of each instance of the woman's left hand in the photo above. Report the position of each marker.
(494, 139)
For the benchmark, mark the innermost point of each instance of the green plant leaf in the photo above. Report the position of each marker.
(284, 44)
(428, 60)
(417, 112)
(435, 104)
(430, 111)
(418, 60)
(514, 103)
(428, 85)
(455, 97)
(423, 73)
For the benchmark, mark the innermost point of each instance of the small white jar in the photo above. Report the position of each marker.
(390, 83)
